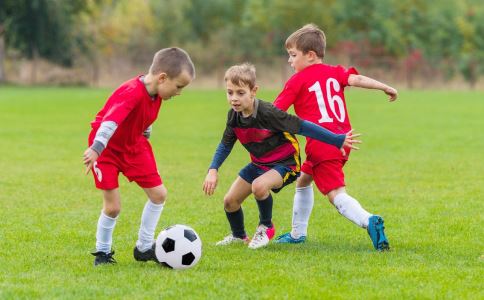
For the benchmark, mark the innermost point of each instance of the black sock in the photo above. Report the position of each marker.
(236, 220)
(265, 211)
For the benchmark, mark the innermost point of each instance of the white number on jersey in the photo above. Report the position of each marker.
(333, 101)
(98, 172)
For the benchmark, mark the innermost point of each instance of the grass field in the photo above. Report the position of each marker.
(421, 167)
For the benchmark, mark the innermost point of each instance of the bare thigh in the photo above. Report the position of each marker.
(263, 184)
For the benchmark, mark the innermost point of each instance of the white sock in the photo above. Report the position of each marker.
(301, 211)
(351, 209)
(149, 220)
(104, 233)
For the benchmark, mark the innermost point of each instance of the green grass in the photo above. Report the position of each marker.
(420, 167)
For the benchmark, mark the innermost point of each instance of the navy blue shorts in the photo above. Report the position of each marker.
(250, 172)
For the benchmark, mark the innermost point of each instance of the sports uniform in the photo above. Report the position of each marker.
(129, 112)
(317, 93)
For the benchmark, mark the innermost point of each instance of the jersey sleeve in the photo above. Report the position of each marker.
(229, 138)
(287, 97)
(344, 74)
(277, 120)
(123, 102)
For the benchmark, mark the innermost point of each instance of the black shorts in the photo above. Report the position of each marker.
(250, 172)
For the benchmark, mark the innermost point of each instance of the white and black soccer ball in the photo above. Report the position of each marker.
(178, 247)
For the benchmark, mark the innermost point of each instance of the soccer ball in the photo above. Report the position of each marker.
(178, 247)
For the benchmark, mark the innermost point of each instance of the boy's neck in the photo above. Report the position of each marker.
(250, 111)
(149, 82)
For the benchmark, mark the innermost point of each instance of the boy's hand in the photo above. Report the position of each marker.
(349, 141)
(392, 93)
(210, 182)
(88, 158)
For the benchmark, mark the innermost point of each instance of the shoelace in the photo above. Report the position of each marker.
(258, 236)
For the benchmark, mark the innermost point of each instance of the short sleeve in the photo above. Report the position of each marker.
(287, 97)
(344, 74)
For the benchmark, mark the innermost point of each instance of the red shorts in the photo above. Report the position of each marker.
(328, 174)
(139, 167)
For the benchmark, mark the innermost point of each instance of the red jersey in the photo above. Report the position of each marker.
(317, 93)
(133, 110)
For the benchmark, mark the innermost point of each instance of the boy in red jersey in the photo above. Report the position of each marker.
(317, 93)
(268, 134)
(118, 142)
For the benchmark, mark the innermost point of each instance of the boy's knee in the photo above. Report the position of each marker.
(112, 211)
(259, 190)
(230, 204)
(158, 195)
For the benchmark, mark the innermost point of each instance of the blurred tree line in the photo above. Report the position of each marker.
(446, 37)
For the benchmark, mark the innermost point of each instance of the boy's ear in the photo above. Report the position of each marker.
(254, 90)
(162, 77)
(312, 55)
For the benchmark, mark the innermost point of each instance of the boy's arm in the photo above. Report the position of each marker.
(103, 134)
(321, 134)
(211, 180)
(279, 120)
(221, 153)
(370, 83)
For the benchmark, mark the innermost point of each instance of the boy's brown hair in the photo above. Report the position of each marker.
(308, 38)
(172, 61)
(243, 74)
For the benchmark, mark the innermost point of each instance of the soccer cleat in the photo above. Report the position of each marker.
(145, 256)
(230, 239)
(376, 231)
(262, 236)
(287, 238)
(103, 258)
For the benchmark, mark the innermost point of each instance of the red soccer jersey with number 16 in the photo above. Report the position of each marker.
(317, 93)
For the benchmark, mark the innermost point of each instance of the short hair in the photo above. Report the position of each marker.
(172, 61)
(243, 74)
(308, 38)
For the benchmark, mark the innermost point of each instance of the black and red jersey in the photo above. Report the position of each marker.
(268, 135)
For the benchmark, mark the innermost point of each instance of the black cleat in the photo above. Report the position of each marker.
(145, 256)
(103, 258)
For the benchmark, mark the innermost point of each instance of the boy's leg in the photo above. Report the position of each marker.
(149, 220)
(302, 208)
(349, 207)
(237, 193)
(329, 179)
(105, 226)
(143, 170)
(261, 188)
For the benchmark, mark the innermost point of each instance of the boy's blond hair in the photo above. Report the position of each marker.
(243, 74)
(172, 61)
(308, 38)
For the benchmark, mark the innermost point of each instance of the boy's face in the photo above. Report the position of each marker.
(240, 98)
(298, 60)
(168, 87)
